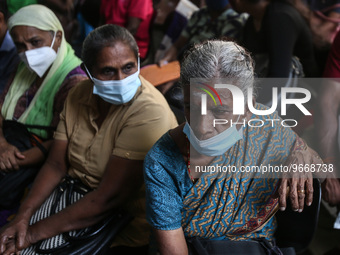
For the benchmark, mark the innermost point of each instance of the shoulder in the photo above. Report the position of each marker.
(81, 92)
(271, 124)
(163, 159)
(76, 73)
(164, 147)
(150, 102)
(75, 76)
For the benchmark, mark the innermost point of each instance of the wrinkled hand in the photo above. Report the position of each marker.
(298, 185)
(14, 237)
(299, 189)
(9, 156)
(331, 191)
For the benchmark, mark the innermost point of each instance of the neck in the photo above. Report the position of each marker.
(39, 80)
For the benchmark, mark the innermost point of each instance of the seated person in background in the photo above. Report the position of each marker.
(279, 39)
(277, 29)
(66, 13)
(36, 93)
(215, 20)
(134, 15)
(107, 126)
(186, 204)
(8, 53)
(323, 18)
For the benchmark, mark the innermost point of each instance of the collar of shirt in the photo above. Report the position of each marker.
(8, 43)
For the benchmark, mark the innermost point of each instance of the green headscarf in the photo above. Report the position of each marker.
(40, 110)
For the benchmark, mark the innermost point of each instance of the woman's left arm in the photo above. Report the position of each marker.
(121, 179)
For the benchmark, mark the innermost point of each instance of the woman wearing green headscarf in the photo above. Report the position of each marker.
(36, 94)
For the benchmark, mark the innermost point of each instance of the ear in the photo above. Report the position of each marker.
(3, 24)
(247, 112)
(58, 38)
(2, 18)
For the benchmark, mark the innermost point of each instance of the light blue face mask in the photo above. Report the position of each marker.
(117, 91)
(216, 145)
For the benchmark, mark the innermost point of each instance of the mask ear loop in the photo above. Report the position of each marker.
(54, 36)
(88, 72)
(238, 120)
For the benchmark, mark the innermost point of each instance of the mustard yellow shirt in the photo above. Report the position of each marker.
(129, 131)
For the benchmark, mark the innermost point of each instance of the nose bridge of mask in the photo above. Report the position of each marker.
(88, 72)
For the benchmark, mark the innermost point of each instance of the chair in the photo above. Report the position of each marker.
(159, 75)
(297, 229)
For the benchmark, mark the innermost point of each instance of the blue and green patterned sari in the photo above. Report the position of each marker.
(220, 205)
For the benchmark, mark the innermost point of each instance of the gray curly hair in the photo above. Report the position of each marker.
(218, 59)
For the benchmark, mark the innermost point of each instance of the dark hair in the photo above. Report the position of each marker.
(105, 36)
(4, 8)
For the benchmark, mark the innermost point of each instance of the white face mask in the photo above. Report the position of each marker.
(216, 145)
(117, 91)
(40, 59)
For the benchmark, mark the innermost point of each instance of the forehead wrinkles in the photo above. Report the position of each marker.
(29, 33)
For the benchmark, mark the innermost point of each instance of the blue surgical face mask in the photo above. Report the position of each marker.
(216, 145)
(216, 5)
(116, 91)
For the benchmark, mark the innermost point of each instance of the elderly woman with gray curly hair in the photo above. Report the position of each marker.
(199, 196)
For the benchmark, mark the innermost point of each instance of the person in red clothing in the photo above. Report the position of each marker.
(134, 15)
(332, 69)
